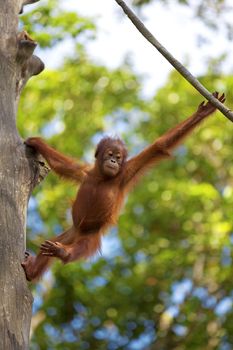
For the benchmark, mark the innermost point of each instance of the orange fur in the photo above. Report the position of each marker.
(102, 189)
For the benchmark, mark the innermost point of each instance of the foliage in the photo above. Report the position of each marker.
(50, 23)
(164, 279)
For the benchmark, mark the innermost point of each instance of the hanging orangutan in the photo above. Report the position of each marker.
(102, 189)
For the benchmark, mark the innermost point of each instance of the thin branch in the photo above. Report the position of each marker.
(27, 2)
(176, 64)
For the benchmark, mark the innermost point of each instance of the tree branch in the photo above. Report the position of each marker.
(29, 64)
(27, 2)
(176, 64)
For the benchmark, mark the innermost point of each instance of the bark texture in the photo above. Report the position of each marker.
(19, 173)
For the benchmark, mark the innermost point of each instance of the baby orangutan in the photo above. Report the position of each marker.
(102, 189)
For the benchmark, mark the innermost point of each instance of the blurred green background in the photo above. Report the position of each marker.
(164, 279)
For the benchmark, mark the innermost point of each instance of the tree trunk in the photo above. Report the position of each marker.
(18, 176)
